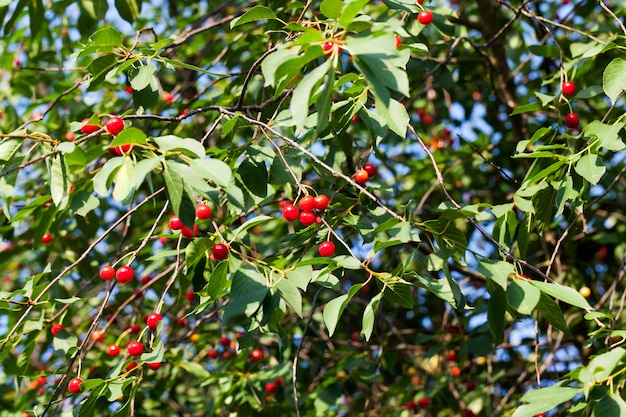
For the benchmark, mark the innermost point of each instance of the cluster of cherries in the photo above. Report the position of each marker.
(310, 206)
(113, 126)
(219, 251)
(571, 119)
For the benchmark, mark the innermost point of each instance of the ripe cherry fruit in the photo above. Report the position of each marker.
(97, 335)
(271, 388)
(326, 249)
(213, 354)
(74, 385)
(114, 125)
(256, 355)
(569, 88)
(571, 120)
(135, 348)
(203, 211)
(113, 350)
(56, 328)
(153, 319)
(290, 212)
(46, 238)
(107, 272)
(87, 128)
(425, 17)
(424, 402)
(398, 40)
(121, 150)
(307, 218)
(321, 202)
(361, 176)
(307, 203)
(225, 341)
(328, 48)
(154, 365)
(125, 274)
(188, 233)
(175, 223)
(219, 251)
(370, 169)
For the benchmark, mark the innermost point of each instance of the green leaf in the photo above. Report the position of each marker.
(63, 342)
(129, 135)
(83, 203)
(103, 179)
(214, 170)
(300, 101)
(526, 108)
(334, 308)
(124, 185)
(179, 194)
(369, 315)
(217, 281)
(106, 36)
(59, 181)
(611, 405)
(130, 10)
(563, 293)
(590, 167)
(8, 147)
(496, 309)
(614, 79)
(350, 10)
(255, 221)
(331, 8)
(142, 77)
(248, 289)
(291, 294)
(256, 13)
(607, 134)
(544, 399)
(95, 8)
(603, 365)
(553, 313)
(522, 296)
(171, 143)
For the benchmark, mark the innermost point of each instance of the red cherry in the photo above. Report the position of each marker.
(213, 354)
(56, 328)
(70, 136)
(189, 295)
(541, 415)
(410, 405)
(46, 238)
(256, 355)
(154, 365)
(97, 335)
(328, 48)
(128, 89)
(113, 350)
(421, 113)
(321, 202)
(182, 321)
(121, 150)
(279, 381)
(271, 387)
(146, 279)
(427, 119)
(87, 129)
(168, 97)
(425, 17)
(290, 212)
(124, 274)
(471, 386)
(307, 218)
(455, 372)
(74, 385)
(153, 319)
(398, 40)
(326, 249)
(135, 328)
(370, 169)
(283, 203)
(186, 232)
(569, 88)
(451, 356)
(135, 348)
(107, 272)
(131, 366)
(175, 223)
(571, 120)
(114, 125)
(361, 176)
(424, 402)
(307, 203)
(219, 251)
(225, 341)
(420, 1)
(203, 211)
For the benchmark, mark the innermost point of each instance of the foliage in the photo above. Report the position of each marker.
(458, 265)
